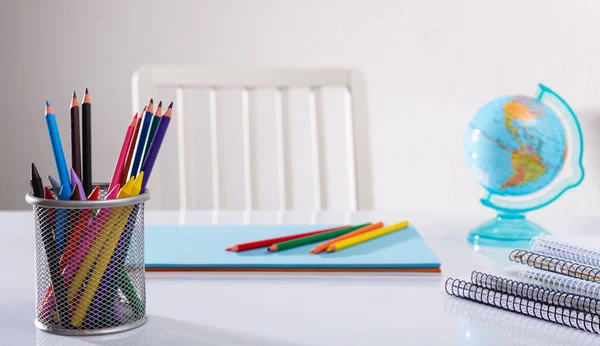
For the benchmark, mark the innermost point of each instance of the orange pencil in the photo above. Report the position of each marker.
(323, 246)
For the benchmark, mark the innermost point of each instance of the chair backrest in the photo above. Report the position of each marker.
(148, 80)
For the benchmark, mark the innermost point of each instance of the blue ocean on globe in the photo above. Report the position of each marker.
(515, 145)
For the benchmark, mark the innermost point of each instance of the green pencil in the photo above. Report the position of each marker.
(152, 131)
(313, 238)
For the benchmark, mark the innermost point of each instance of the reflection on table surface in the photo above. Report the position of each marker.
(486, 325)
(164, 331)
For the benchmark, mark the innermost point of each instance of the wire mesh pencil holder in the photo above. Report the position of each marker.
(89, 264)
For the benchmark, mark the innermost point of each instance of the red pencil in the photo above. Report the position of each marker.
(77, 232)
(268, 242)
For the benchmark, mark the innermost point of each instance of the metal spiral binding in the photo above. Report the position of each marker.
(570, 252)
(552, 264)
(559, 282)
(567, 317)
(537, 293)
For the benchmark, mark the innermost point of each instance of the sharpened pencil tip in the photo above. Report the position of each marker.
(86, 91)
(47, 103)
(171, 105)
(160, 104)
(74, 94)
(152, 101)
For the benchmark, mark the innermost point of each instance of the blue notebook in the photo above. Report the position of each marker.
(202, 248)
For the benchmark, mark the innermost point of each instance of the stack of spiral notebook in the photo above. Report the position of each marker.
(560, 283)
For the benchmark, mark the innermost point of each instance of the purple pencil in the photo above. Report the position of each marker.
(76, 181)
(155, 146)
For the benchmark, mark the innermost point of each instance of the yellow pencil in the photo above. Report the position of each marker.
(92, 254)
(107, 251)
(361, 238)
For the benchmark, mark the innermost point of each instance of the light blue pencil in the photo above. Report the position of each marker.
(63, 176)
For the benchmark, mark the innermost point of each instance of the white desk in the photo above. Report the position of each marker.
(297, 309)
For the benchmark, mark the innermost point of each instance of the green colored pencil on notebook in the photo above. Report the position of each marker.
(313, 238)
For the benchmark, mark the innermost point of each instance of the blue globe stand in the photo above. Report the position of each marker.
(510, 228)
(506, 230)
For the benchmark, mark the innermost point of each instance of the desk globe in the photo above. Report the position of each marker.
(526, 152)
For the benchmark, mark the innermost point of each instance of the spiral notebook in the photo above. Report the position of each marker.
(202, 248)
(560, 283)
(566, 309)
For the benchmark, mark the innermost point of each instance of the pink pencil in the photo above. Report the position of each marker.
(92, 230)
(116, 177)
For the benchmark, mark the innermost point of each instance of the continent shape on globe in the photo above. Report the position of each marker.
(515, 145)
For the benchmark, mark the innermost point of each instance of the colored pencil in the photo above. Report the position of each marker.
(106, 293)
(116, 177)
(48, 194)
(77, 256)
(56, 278)
(86, 140)
(84, 218)
(268, 242)
(359, 239)
(55, 185)
(75, 136)
(118, 223)
(63, 175)
(131, 149)
(36, 182)
(322, 247)
(76, 182)
(313, 238)
(78, 229)
(152, 131)
(163, 125)
(141, 140)
(59, 155)
(82, 261)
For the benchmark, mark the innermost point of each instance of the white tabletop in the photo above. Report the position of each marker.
(298, 309)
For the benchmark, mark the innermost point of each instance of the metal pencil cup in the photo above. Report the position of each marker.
(89, 264)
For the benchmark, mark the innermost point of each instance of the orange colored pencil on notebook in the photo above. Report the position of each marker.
(268, 242)
(323, 246)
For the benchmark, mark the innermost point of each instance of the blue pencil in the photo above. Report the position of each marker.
(63, 176)
(141, 141)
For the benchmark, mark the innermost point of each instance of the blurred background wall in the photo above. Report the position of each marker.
(429, 66)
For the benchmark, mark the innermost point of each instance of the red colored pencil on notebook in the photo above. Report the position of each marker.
(268, 242)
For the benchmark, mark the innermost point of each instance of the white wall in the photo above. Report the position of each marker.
(429, 65)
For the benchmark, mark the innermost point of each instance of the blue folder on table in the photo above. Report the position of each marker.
(202, 248)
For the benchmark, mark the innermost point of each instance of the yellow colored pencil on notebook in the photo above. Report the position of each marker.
(343, 244)
(109, 247)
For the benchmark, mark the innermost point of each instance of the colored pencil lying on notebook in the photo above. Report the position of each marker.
(268, 242)
(344, 244)
(322, 247)
(313, 238)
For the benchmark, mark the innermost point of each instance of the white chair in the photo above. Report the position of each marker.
(148, 79)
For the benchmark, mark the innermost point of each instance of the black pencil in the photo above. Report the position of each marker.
(86, 124)
(36, 182)
(75, 136)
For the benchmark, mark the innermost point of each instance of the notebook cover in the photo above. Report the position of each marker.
(202, 248)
